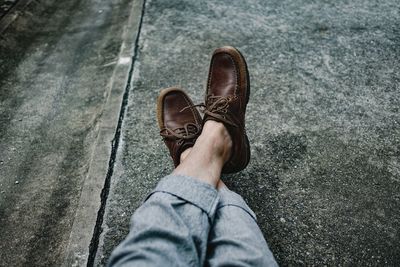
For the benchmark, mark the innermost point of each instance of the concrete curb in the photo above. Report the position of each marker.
(78, 251)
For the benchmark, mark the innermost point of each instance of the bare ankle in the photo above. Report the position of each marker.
(184, 154)
(216, 134)
(209, 154)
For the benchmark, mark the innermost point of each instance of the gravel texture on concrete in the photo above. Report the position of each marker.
(56, 63)
(323, 121)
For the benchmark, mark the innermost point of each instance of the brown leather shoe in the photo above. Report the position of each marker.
(180, 123)
(227, 94)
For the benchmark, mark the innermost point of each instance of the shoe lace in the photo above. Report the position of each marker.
(217, 107)
(187, 132)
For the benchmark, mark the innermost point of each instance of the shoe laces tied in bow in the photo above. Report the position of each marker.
(217, 107)
(187, 132)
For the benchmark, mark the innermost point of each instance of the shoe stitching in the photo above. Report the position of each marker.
(211, 72)
(191, 106)
(236, 74)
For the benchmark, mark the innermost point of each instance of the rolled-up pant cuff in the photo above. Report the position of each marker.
(192, 190)
(230, 198)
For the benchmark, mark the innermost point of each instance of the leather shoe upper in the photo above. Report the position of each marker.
(179, 122)
(227, 95)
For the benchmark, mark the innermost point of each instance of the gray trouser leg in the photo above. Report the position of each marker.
(171, 227)
(235, 238)
(179, 225)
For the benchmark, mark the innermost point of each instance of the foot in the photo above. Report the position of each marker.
(227, 95)
(208, 155)
(179, 121)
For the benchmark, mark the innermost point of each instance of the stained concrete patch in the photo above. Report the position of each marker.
(56, 62)
(323, 121)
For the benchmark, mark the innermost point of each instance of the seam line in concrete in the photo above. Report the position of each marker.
(106, 189)
(86, 219)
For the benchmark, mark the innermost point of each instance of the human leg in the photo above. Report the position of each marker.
(235, 238)
(174, 224)
(171, 227)
(209, 154)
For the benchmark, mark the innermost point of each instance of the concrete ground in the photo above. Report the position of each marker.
(323, 121)
(58, 63)
(5, 6)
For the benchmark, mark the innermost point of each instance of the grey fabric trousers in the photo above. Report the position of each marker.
(185, 222)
